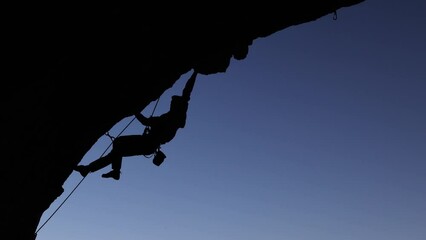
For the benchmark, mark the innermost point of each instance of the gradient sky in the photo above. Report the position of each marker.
(320, 133)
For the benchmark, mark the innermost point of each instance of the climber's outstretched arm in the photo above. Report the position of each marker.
(186, 93)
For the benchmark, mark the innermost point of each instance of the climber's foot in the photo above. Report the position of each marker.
(113, 174)
(83, 170)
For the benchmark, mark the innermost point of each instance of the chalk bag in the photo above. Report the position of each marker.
(158, 158)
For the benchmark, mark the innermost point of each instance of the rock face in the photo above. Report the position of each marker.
(73, 73)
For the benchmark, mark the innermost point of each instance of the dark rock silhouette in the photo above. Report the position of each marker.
(71, 73)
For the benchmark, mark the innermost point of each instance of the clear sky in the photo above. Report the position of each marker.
(320, 133)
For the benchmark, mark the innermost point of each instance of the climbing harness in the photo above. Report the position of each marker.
(112, 140)
(148, 128)
(159, 156)
(146, 131)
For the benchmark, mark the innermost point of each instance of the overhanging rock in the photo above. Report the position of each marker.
(72, 74)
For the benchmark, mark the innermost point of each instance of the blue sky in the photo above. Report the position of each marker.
(318, 134)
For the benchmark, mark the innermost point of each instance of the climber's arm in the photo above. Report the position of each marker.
(186, 93)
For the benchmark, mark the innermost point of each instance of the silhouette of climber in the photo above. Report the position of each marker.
(159, 130)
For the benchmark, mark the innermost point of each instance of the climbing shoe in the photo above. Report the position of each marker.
(113, 174)
(83, 170)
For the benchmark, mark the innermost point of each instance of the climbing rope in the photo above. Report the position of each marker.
(153, 110)
(69, 195)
